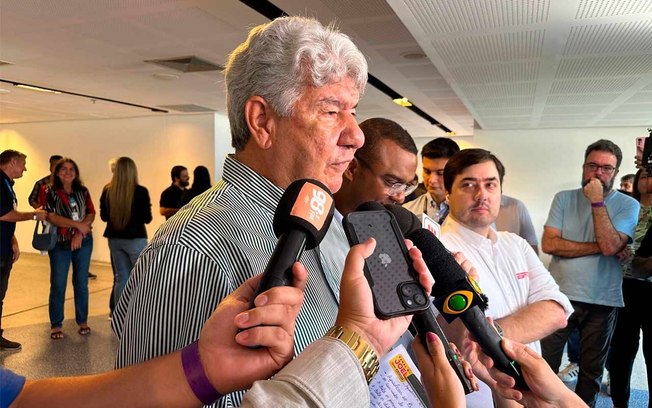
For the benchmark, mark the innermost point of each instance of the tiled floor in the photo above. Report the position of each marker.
(25, 320)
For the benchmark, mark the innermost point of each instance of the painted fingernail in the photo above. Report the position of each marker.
(430, 337)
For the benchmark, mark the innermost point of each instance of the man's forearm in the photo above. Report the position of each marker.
(534, 321)
(608, 239)
(569, 249)
(16, 216)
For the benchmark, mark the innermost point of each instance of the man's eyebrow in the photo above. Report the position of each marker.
(477, 179)
(328, 100)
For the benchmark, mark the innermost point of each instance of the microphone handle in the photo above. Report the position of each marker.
(489, 340)
(278, 271)
(425, 322)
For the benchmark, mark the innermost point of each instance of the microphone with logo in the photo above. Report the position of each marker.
(458, 295)
(301, 221)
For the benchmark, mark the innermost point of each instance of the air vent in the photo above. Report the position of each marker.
(187, 108)
(187, 64)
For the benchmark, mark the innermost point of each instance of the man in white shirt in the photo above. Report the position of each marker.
(524, 299)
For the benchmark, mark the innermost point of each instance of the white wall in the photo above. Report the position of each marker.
(155, 143)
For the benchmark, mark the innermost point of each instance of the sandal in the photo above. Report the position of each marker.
(84, 331)
(56, 334)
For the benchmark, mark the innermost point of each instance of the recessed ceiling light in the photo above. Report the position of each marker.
(165, 76)
(413, 55)
(402, 102)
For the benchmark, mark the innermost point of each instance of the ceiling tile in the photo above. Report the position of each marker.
(610, 8)
(447, 16)
(491, 48)
(631, 36)
(604, 66)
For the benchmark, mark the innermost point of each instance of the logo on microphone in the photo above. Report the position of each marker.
(313, 205)
(385, 259)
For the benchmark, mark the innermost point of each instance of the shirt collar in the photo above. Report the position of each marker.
(252, 184)
(4, 176)
(451, 225)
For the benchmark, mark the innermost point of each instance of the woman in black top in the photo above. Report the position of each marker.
(126, 208)
(201, 181)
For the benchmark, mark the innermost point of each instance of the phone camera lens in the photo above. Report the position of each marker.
(407, 290)
(419, 299)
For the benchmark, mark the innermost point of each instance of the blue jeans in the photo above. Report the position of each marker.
(124, 253)
(60, 258)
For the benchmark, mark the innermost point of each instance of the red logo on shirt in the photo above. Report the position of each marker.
(522, 275)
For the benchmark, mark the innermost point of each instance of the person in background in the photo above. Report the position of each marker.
(627, 184)
(71, 209)
(585, 229)
(514, 217)
(201, 181)
(171, 197)
(637, 290)
(434, 156)
(33, 196)
(383, 169)
(12, 166)
(525, 301)
(126, 208)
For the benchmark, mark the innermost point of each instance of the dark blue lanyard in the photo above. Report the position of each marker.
(13, 195)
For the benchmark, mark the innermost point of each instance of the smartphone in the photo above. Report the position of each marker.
(644, 152)
(640, 145)
(394, 285)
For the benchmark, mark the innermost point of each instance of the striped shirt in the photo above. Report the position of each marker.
(209, 248)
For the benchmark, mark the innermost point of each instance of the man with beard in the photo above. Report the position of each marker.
(171, 196)
(524, 300)
(586, 228)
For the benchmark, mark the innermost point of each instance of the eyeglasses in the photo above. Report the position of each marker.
(606, 169)
(393, 187)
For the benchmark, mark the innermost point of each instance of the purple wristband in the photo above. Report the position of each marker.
(196, 376)
(598, 204)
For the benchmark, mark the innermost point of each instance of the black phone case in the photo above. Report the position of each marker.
(389, 269)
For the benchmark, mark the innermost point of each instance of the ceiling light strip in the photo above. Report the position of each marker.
(97, 98)
(269, 10)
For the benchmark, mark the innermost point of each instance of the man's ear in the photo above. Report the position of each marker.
(352, 168)
(260, 118)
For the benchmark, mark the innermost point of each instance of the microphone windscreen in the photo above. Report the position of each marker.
(407, 221)
(306, 205)
(440, 262)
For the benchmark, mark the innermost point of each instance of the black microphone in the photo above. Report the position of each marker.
(301, 221)
(458, 295)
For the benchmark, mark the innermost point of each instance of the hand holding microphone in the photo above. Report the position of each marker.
(301, 221)
(457, 296)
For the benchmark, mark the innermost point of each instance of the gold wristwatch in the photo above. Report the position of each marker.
(362, 350)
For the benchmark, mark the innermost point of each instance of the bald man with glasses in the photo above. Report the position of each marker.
(586, 228)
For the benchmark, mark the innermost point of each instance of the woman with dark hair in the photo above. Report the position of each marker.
(201, 181)
(71, 209)
(633, 318)
(125, 206)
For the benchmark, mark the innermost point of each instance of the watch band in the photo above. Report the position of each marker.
(362, 350)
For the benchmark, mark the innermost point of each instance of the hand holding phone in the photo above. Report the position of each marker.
(394, 283)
